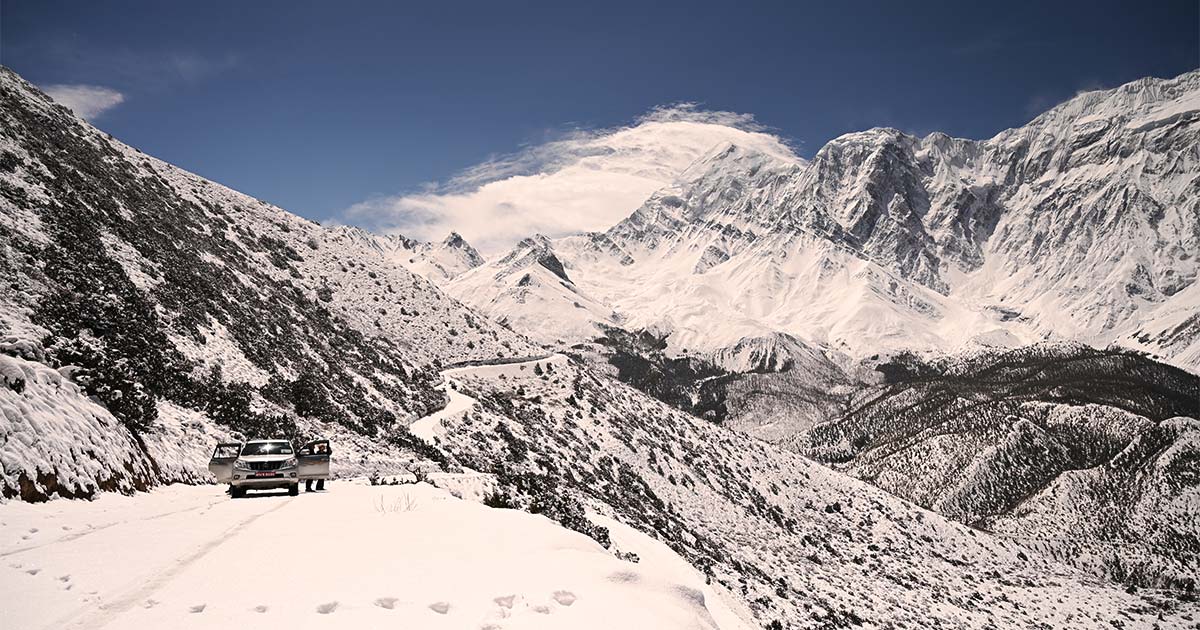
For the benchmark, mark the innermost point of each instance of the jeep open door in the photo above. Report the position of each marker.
(314, 460)
(221, 464)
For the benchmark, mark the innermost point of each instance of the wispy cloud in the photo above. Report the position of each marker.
(131, 69)
(579, 181)
(1043, 101)
(87, 101)
(91, 80)
(192, 67)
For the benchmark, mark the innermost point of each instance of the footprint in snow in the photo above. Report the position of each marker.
(541, 609)
(260, 609)
(33, 571)
(150, 603)
(33, 530)
(198, 608)
(387, 602)
(440, 608)
(505, 601)
(624, 577)
(565, 598)
(325, 609)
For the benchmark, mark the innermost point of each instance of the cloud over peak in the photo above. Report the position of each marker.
(87, 101)
(693, 112)
(583, 180)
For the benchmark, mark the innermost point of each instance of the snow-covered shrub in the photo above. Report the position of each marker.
(542, 494)
(11, 374)
(24, 348)
(55, 441)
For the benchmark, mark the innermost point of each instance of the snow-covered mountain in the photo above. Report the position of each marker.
(1081, 225)
(581, 180)
(436, 261)
(529, 287)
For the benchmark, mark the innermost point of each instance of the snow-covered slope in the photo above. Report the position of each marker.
(1082, 225)
(1091, 454)
(57, 441)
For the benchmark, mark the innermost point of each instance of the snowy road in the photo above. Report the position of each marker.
(430, 427)
(357, 556)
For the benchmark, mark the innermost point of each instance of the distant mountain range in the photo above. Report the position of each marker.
(1083, 225)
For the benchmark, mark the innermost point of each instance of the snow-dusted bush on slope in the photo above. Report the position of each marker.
(1050, 443)
(54, 440)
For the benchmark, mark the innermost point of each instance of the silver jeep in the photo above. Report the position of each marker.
(268, 464)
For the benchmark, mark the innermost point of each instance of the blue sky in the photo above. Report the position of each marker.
(318, 106)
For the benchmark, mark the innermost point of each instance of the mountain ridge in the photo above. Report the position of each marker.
(939, 238)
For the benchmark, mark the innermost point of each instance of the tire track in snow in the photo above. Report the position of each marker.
(100, 528)
(89, 617)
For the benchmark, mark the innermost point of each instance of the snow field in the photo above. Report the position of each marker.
(356, 556)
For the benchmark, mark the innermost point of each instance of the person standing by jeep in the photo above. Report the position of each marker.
(314, 464)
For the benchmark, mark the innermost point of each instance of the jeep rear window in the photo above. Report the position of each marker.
(267, 448)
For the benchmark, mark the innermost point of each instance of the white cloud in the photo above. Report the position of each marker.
(587, 180)
(87, 101)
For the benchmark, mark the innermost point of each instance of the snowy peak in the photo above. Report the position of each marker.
(454, 254)
(536, 250)
(455, 242)
(528, 285)
(735, 161)
(438, 262)
(728, 191)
